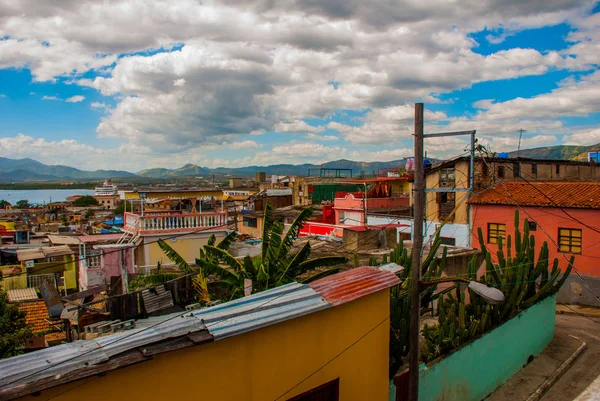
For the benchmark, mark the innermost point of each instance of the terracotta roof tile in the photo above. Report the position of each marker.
(566, 194)
(37, 313)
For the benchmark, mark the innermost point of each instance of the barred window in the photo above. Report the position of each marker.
(569, 240)
(495, 231)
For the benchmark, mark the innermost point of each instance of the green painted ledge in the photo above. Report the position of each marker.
(475, 370)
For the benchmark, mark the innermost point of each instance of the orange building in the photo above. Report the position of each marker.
(564, 214)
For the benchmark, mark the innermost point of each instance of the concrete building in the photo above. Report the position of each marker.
(325, 340)
(449, 182)
(566, 215)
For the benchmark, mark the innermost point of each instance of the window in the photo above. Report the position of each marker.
(327, 392)
(495, 231)
(447, 175)
(448, 241)
(250, 222)
(516, 170)
(534, 169)
(558, 169)
(532, 225)
(500, 171)
(484, 170)
(569, 240)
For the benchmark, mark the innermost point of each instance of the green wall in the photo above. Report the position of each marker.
(477, 369)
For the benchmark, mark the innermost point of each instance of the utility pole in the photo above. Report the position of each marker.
(520, 136)
(415, 299)
(124, 278)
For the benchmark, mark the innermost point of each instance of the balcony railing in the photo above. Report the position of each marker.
(149, 224)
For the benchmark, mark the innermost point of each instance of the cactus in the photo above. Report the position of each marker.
(523, 278)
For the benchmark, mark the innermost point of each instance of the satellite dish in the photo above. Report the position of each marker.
(490, 294)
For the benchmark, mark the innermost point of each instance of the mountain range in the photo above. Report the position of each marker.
(12, 170)
(29, 169)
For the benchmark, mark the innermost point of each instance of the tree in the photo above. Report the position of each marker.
(274, 267)
(85, 201)
(13, 328)
(4, 204)
(63, 219)
(22, 204)
(120, 209)
(89, 213)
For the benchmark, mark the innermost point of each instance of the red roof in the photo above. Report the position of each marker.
(566, 194)
(353, 284)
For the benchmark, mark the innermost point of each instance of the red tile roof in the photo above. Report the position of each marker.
(565, 194)
(352, 284)
(36, 315)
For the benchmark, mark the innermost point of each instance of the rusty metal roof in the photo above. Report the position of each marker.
(22, 294)
(352, 284)
(218, 322)
(43, 253)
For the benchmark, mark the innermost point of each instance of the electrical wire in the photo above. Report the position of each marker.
(549, 236)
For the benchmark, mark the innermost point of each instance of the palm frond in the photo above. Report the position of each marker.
(294, 261)
(211, 240)
(322, 274)
(200, 284)
(227, 258)
(325, 261)
(227, 276)
(175, 257)
(271, 259)
(225, 242)
(293, 232)
(267, 223)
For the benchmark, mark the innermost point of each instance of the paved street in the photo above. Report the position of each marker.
(571, 329)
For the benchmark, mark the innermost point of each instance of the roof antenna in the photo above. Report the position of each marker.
(520, 136)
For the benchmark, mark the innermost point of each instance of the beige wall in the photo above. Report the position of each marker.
(185, 245)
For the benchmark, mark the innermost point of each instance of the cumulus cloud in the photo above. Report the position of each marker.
(75, 99)
(199, 75)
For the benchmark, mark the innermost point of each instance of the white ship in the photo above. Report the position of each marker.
(106, 189)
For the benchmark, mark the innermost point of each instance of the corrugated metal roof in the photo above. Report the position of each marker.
(42, 253)
(221, 321)
(22, 294)
(352, 284)
(64, 239)
(261, 310)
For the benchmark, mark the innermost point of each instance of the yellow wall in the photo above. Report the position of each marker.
(261, 365)
(186, 246)
(252, 231)
(432, 180)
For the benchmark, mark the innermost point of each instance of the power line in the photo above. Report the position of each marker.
(334, 358)
(550, 237)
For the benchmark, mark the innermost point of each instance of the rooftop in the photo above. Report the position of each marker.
(47, 368)
(567, 194)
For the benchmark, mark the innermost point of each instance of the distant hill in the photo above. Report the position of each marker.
(560, 152)
(29, 169)
(187, 170)
(275, 169)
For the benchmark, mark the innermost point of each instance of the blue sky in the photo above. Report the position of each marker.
(163, 84)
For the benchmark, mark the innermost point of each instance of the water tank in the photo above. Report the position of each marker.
(503, 155)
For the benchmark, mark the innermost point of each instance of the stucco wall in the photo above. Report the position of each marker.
(548, 222)
(475, 370)
(262, 364)
(186, 245)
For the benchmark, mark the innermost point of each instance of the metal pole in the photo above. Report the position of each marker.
(415, 299)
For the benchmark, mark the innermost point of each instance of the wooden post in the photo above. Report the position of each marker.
(415, 299)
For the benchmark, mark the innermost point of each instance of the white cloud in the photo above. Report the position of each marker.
(50, 98)
(75, 99)
(317, 137)
(244, 68)
(98, 105)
